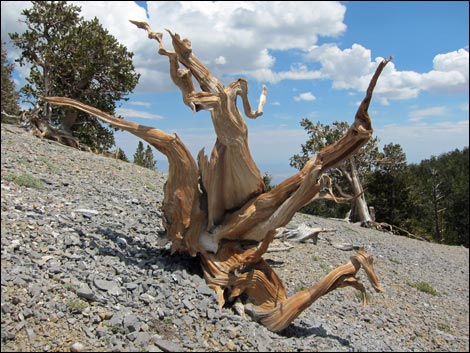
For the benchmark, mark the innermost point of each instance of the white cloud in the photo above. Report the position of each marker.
(132, 113)
(464, 107)
(240, 38)
(236, 36)
(353, 67)
(115, 16)
(296, 72)
(306, 96)
(449, 74)
(10, 24)
(420, 114)
(10, 17)
(220, 60)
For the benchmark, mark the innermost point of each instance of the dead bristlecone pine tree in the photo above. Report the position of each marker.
(216, 208)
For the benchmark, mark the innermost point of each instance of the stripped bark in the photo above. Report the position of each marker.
(217, 209)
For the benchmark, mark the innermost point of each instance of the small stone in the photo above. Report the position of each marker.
(231, 346)
(131, 323)
(31, 334)
(167, 346)
(204, 289)
(147, 298)
(131, 286)
(105, 315)
(6, 309)
(188, 304)
(101, 331)
(86, 293)
(77, 347)
(121, 242)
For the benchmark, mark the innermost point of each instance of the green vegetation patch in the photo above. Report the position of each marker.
(151, 187)
(52, 167)
(424, 287)
(325, 268)
(444, 328)
(358, 295)
(27, 180)
(76, 305)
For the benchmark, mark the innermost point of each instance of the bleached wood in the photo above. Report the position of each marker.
(217, 209)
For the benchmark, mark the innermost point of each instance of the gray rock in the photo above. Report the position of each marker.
(77, 347)
(86, 293)
(131, 323)
(167, 346)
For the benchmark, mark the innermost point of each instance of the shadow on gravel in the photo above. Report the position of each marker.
(298, 332)
(274, 263)
(135, 252)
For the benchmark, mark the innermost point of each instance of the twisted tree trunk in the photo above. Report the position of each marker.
(359, 210)
(216, 208)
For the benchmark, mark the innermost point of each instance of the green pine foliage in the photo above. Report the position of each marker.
(440, 197)
(9, 102)
(78, 59)
(429, 199)
(145, 158)
(122, 156)
(139, 155)
(320, 136)
(149, 160)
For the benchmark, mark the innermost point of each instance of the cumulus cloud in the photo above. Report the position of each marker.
(236, 37)
(296, 72)
(243, 37)
(306, 96)
(449, 74)
(352, 68)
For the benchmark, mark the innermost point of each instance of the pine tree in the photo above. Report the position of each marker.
(150, 162)
(139, 155)
(122, 156)
(388, 189)
(348, 177)
(9, 105)
(77, 59)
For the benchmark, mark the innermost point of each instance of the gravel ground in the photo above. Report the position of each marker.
(85, 266)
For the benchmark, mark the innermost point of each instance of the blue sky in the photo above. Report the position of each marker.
(315, 58)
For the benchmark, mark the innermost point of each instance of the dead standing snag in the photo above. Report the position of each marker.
(216, 208)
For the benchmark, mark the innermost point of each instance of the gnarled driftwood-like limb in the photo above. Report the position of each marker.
(303, 233)
(217, 209)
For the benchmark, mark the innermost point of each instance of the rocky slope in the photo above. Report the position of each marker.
(85, 267)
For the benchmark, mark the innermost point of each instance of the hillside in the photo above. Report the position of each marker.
(85, 266)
